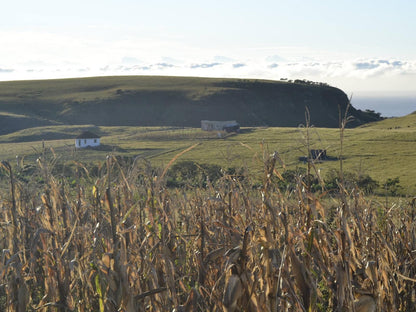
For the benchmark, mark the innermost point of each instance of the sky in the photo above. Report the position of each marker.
(365, 48)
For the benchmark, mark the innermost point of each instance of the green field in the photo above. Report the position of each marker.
(383, 150)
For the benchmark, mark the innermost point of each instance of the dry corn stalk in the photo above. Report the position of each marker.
(123, 241)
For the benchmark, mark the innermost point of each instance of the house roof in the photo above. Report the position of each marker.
(87, 135)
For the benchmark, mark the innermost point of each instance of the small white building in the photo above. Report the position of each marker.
(211, 125)
(87, 138)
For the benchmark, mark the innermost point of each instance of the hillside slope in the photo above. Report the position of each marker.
(169, 101)
(407, 122)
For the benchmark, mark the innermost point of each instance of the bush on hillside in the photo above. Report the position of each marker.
(190, 173)
(350, 180)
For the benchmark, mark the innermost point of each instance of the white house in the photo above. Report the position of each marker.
(87, 138)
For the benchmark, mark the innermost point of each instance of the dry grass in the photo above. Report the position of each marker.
(122, 241)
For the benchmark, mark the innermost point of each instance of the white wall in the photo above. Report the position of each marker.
(79, 143)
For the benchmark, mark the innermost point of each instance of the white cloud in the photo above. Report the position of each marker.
(41, 55)
(129, 60)
(238, 65)
(6, 70)
(205, 65)
(359, 69)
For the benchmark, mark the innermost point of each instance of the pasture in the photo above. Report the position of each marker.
(383, 150)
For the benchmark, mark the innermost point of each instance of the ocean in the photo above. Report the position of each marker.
(388, 106)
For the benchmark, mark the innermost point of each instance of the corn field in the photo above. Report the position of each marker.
(123, 241)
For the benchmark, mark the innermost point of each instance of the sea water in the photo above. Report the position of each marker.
(388, 106)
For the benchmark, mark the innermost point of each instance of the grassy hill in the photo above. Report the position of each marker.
(404, 122)
(385, 149)
(157, 117)
(169, 101)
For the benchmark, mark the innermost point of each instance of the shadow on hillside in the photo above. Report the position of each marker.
(105, 148)
(246, 130)
(305, 159)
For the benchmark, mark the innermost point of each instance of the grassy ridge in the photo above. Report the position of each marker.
(168, 101)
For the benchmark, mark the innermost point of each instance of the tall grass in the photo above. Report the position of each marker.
(120, 240)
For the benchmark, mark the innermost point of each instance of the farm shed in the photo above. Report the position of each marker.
(211, 125)
(87, 138)
(318, 154)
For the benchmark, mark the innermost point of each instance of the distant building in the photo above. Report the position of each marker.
(318, 154)
(315, 155)
(87, 138)
(228, 126)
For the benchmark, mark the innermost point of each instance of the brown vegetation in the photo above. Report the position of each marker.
(122, 241)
